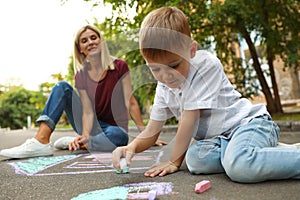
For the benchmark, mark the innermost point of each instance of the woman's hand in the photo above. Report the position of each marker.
(160, 143)
(162, 169)
(122, 152)
(78, 142)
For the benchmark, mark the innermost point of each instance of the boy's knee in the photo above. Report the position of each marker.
(201, 161)
(193, 162)
(239, 168)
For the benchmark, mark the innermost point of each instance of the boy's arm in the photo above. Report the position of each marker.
(136, 116)
(142, 142)
(186, 129)
(147, 137)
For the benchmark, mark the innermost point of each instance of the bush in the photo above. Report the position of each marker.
(19, 103)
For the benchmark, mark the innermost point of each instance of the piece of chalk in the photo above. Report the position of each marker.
(123, 166)
(152, 194)
(202, 186)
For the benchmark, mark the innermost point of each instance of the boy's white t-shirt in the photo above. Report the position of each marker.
(206, 87)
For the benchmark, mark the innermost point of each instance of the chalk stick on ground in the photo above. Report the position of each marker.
(202, 186)
(152, 195)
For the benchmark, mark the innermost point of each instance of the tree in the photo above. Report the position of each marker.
(271, 21)
(70, 76)
(17, 104)
(221, 26)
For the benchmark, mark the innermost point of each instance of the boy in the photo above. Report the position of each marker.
(233, 136)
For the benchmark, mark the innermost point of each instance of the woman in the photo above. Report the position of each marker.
(98, 112)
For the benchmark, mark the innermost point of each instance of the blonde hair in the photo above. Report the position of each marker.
(106, 58)
(164, 30)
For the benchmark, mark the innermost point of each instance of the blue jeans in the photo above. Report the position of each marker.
(104, 137)
(248, 155)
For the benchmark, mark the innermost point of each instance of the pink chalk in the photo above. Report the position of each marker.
(202, 186)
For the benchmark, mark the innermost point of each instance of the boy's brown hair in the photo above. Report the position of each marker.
(164, 30)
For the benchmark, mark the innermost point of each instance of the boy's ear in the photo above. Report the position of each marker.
(193, 48)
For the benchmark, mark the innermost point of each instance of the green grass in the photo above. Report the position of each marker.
(60, 127)
(287, 116)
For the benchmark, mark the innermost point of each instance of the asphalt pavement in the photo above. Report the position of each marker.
(89, 175)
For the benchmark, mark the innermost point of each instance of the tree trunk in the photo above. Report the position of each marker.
(270, 58)
(296, 83)
(274, 83)
(265, 88)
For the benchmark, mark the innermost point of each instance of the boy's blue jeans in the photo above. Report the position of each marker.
(104, 137)
(248, 155)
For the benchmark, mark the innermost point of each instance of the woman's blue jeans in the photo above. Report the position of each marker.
(104, 137)
(248, 155)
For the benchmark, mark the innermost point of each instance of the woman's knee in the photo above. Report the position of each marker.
(62, 85)
(100, 142)
(117, 135)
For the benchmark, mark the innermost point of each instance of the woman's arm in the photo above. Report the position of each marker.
(132, 104)
(135, 113)
(127, 90)
(87, 121)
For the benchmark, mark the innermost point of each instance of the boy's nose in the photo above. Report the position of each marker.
(167, 75)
